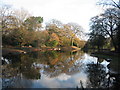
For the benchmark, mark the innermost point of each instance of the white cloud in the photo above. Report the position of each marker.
(63, 77)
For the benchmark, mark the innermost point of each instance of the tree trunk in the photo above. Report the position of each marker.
(98, 47)
(71, 41)
(113, 42)
(118, 38)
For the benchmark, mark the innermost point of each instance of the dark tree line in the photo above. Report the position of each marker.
(106, 26)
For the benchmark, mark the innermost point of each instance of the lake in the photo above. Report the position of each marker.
(55, 69)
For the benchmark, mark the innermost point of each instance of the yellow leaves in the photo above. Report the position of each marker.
(54, 37)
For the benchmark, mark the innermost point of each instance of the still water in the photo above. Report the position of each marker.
(52, 69)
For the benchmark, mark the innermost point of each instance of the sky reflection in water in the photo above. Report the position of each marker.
(69, 78)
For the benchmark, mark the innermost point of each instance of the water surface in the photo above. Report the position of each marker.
(52, 69)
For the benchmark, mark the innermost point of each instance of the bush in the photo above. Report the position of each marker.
(53, 43)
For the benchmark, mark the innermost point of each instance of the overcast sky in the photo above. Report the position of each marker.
(77, 11)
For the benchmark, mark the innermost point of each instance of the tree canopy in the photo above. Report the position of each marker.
(20, 29)
(106, 24)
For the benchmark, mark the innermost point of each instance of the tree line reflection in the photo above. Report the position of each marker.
(29, 65)
(99, 77)
(53, 63)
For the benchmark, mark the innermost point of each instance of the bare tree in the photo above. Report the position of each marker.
(5, 11)
(54, 22)
(109, 3)
(21, 15)
(77, 31)
(106, 24)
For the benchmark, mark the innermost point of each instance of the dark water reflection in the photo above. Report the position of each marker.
(52, 69)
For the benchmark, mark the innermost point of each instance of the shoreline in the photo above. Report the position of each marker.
(24, 50)
(108, 53)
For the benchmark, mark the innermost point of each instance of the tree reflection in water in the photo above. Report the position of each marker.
(96, 75)
(20, 66)
(28, 66)
(60, 62)
(25, 69)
